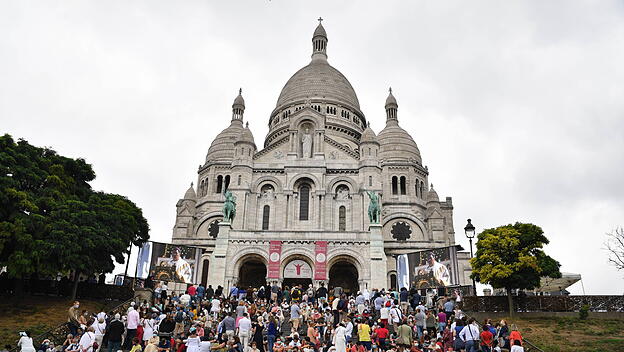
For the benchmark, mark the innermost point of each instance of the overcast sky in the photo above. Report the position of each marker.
(517, 107)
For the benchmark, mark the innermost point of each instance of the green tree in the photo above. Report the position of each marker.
(52, 221)
(512, 257)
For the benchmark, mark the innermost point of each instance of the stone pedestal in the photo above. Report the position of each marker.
(216, 271)
(377, 258)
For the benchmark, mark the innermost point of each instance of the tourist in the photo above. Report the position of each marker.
(404, 335)
(364, 335)
(136, 345)
(25, 342)
(470, 335)
(99, 326)
(152, 344)
(114, 333)
(193, 341)
(87, 340)
(339, 340)
(257, 333)
(517, 346)
(244, 330)
(486, 339)
(132, 323)
(514, 336)
(72, 318)
(149, 326)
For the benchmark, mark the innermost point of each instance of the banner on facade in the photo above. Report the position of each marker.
(320, 260)
(275, 257)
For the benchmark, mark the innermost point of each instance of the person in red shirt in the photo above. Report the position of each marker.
(486, 339)
(192, 290)
(382, 334)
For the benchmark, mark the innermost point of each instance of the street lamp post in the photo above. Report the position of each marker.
(469, 230)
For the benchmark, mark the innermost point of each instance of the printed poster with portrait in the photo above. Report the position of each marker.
(428, 269)
(169, 262)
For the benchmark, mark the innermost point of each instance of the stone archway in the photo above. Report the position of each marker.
(252, 272)
(345, 274)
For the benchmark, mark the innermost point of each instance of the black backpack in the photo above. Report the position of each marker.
(179, 317)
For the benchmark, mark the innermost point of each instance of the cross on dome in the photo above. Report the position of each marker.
(320, 19)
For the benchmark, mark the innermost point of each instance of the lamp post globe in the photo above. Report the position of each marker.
(469, 230)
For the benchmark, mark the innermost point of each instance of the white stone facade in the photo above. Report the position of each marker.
(309, 184)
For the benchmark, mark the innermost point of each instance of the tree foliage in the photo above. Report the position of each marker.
(512, 257)
(51, 220)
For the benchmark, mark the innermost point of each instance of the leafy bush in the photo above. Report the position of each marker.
(584, 312)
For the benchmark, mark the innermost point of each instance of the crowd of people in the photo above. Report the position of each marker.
(284, 319)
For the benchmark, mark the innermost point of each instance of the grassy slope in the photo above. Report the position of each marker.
(573, 334)
(36, 314)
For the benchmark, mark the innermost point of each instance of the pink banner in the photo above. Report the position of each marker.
(320, 260)
(275, 254)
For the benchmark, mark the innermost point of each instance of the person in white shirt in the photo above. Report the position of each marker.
(470, 335)
(25, 342)
(517, 347)
(244, 330)
(87, 340)
(185, 299)
(149, 325)
(215, 306)
(99, 327)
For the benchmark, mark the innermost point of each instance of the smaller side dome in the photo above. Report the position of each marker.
(190, 193)
(432, 195)
(368, 136)
(246, 136)
(222, 147)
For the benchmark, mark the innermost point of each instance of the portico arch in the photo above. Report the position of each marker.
(343, 271)
(251, 271)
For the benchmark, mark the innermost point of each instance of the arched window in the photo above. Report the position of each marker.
(416, 188)
(403, 186)
(393, 281)
(201, 188)
(239, 180)
(219, 184)
(304, 202)
(226, 183)
(422, 189)
(342, 218)
(266, 214)
(370, 181)
(394, 185)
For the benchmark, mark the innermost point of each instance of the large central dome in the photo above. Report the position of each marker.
(318, 80)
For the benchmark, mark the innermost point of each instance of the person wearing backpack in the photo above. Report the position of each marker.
(179, 322)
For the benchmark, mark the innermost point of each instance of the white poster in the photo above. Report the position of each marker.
(297, 269)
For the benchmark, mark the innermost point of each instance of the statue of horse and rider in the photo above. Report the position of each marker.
(374, 208)
(229, 207)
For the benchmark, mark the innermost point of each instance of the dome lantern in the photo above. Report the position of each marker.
(319, 42)
(391, 107)
(238, 107)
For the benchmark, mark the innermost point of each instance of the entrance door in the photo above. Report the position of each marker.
(292, 282)
(252, 273)
(345, 275)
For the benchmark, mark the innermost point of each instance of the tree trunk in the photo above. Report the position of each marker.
(510, 302)
(75, 288)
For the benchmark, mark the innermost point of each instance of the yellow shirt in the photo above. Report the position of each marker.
(364, 332)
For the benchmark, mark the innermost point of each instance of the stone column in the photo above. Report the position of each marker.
(218, 264)
(377, 258)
